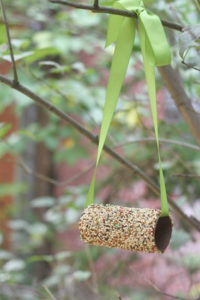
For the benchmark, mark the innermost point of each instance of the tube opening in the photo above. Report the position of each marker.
(163, 233)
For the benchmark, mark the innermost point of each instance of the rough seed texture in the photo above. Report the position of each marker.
(120, 227)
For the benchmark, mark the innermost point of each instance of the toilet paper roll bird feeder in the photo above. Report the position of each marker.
(135, 229)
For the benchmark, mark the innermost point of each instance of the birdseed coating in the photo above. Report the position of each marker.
(115, 226)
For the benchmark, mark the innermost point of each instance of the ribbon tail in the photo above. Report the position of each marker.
(150, 79)
(119, 66)
(163, 193)
(90, 195)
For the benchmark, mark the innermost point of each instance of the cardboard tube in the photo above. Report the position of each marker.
(135, 229)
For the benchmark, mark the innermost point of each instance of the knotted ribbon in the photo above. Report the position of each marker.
(155, 52)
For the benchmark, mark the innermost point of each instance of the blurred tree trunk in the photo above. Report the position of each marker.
(43, 165)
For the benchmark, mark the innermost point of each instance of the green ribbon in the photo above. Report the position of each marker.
(155, 52)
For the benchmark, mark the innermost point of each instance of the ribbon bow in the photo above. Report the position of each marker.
(155, 52)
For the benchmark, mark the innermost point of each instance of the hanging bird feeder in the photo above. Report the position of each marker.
(136, 229)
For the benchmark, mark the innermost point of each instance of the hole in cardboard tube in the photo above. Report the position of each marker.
(163, 233)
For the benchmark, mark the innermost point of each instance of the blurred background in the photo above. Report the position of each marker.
(46, 166)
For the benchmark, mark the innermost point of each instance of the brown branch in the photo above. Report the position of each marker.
(173, 83)
(67, 118)
(9, 41)
(113, 11)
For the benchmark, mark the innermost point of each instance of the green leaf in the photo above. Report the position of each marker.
(20, 43)
(5, 255)
(4, 128)
(82, 275)
(36, 258)
(37, 230)
(72, 215)
(41, 53)
(53, 216)
(43, 202)
(18, 224)
(12, 189)
(18, 57)
(70, 155)
(60, 256)
(27, 133)
(3, 37)
(14, 265)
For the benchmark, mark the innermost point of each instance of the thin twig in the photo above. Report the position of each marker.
(28, 170)
(96, 4)
(164, 293)
(154, 286)
(162, 140)
(128, 164)
(109, 10)
(9, 42)
(190, 66)
(49, 292)
(186, 175)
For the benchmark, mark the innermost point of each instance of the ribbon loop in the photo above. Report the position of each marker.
(157, 48)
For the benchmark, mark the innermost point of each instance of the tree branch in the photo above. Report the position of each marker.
(67, 118)
(173, 83)
(9, 41)
(113, 11)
